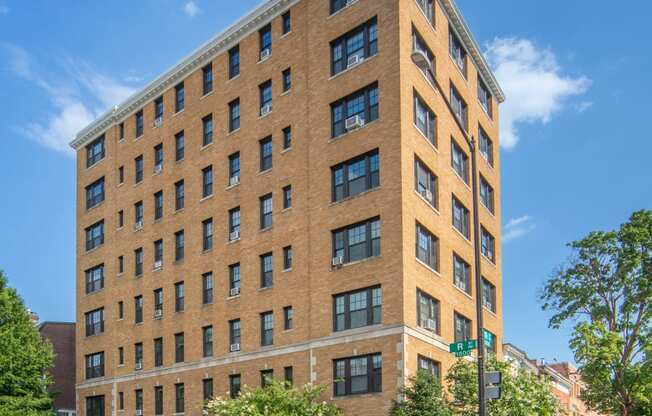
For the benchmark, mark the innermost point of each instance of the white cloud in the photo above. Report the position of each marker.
(4, 9)
(77, 98)
(191, 9)
(533, 82)
(518, 227)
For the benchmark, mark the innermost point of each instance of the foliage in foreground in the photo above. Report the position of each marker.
(423, 397)
(276, 399)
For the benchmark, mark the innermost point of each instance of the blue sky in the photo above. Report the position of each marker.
(576, 75)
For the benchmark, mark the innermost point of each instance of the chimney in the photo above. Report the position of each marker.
(33, 316)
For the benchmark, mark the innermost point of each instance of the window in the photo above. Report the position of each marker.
(337, 5)
(425, 120)
(265, 154)
(140, 123)
(95, 406)
(355, 46)
(121, 356)
(357, 309)
(158, 352)
(266, 328)
(95, 235)
(265, 211)
(158, 400)
(179, 245)
(486, 146)
(95, 279)
(158, 253)
(462, 328)
(287, 258)
(138, 355)
(179, 297)
(488, 245)
(95, 193)
(138, 261)
(178, 348)
(266, 376)
(425, 182)
(179, 97)
(207, 387)
(207, 79)
(427, 247)
(460, 161)
(179, 195)
(121, 401)
(431, 366)
(357, 242)
(207, 181)
(158, 157)
(158, 111)
(234, 169)
(121, 264)
(207, 341)
(461, 218)
(234, 385)
(355, 176)
(234, 224)
(121, 132)
(428, 312)
(121, 310)
(287, 138)
(234, 335)
(207, 230)
(207, 288)
(419, 46)
(265, 97)
(234, 278)
(139, 213)
(357, 375)
(265, 35)
(234, 61)
(488, 295)
(457, 52)
(486, 194)
(287, 22)
(95, 365)
(461, 274)
(287, 79)
(158, 205)
(288, 317)
(362, 104)
(234, 115)
(428, 8)
(179, 398)
(484, 96)
(139, 169)
(138, 309)
(460, 108)
(158, 302)
(121, 175)
(288, 374)
(95, 322)
(180, 144)
(139, 400)
(207, 125)
(95, 151)
(266, 270)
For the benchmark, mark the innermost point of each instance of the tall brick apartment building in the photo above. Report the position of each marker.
(292, 200)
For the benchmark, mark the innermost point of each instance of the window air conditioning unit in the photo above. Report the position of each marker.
(421, 59)
(139, 413)
(139, 366)
(158, 264)
(338, 261)
(428, 195)
(234, 180)
(234, 347)
(158, 168)
(354, 122)
(138, 225)
(158, 121)
(265, 53)
(234, 291)
(266, 109)
(235, 235)
(158, 314)
(353, 60)
(430, 324)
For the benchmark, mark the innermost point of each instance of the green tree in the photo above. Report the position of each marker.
(24, 357)
(423, 397)
(523, 393)
(276, 399)
(605, 289)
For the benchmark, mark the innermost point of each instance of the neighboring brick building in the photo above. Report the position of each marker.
(62, 337)
(293, 201)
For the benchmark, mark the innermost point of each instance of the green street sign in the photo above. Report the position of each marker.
(488, 338)
(461, 354)
(464, 346)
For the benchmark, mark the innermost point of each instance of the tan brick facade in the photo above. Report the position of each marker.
(312, 345)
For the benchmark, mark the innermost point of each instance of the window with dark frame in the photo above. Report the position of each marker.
(179, 195)
(179, 297)
(207, 388)
(425, 183)
(265, 97)
(265, 153)
(158, 157)
(95, 151)
(94, 365)
(158, 302)
(121, 131)
(461, 274)
(158, 205)
(234, 277)
(287, 197)
(138, 309)
(485, 97)
(140, 123)
(207, 126)
(234, 61)
(94, 235)
(234, 385)
(357, 309)
(179, 98)
(425, 120)
(95, 406)
(288, 375)
(266, 270)
(488, 295)
(139, 258)
(207, 341)
(207, 234)
(288, 318)
(427, 247)
(158, 253)
(428, 9)
(234, 224)
(457, 52)
(139, 169)
(179, 347)
(287, 22)
(158, 400)
(287, 258)
(266, 376)
(266, 213)
(207, 78)
(486, 194)
(358, 241)
(121, 175)
(207, 181)
(265, 35)
(357, 375)
(266, 329)
(121, 265)
(355, 46)
(158, 111)
(361, 105)
(459, 161)
(461, 218)
(180, 146)
(179, 399)
(207, 288)
(355, 176)
(121, 310)
(488, 245)
(337, 5)
(95, 279)
(95, 193)
(234, 169)
(420, 46)
(460, 109)
(234, 335)
(234, 115)
(462, 327)
(138, 355)
(428, 312)
(287, 79)
(179, 245)
(121, 401)
(158, 352)
(121, 219)
(139, 214)
(429, 365)
(486, 146)
(287, 137)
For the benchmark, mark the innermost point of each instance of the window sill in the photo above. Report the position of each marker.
(342, 9)
(435, 210)
(356, 396)
(96, 163)
(179, 112)
(351, 68)
(284, 210)
(120, 185)
(347, 133)
(431, 23)
(421, 262)
(491, 262)
(232, 132)
(434, 147)
(94, 249)
(459, 70)
(139, 137)
(462, 291)
(462, 235)
(286, 270)
(264, 172)
(492, 213)
(285, 34)
(354, 263)
(229, 242)
(120, 228)
(207, 146)
(178, 211)
(137, 184)
(208, 94)
(207, 251)
(233, 186)
(206, 198)
(157, 269)
(120, 274)
(286, 92)
(93, 293)
(461, 179)
(94, 207)
(121, 140)
(232, 297)
(494, 314)
(286, 150)
(233, 78)
(261, 116)
(348, 198)
(260, 61)
(265, 289)
(430, 334)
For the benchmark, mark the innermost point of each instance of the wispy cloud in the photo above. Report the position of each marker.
(4, 9)
(517, 228)
(76, 98)
(534, 83)
(191, 9)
